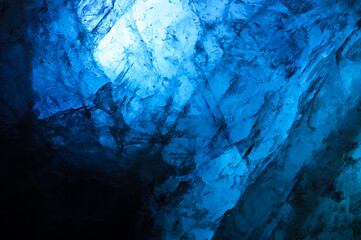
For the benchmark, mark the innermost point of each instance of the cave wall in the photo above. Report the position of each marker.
(217, 119)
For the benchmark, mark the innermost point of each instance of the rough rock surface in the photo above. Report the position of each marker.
(179, 119)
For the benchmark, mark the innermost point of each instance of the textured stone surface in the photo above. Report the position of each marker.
(216, 119)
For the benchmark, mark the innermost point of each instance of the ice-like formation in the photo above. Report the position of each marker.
(237, 119)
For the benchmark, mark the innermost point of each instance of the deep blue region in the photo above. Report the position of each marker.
(180, 119)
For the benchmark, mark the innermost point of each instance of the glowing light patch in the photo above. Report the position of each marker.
(170, 32)
(111, 54)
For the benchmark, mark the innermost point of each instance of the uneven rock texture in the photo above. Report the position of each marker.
(179, 119)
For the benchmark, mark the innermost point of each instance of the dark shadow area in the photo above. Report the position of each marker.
(316, 180)
(42, 194)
